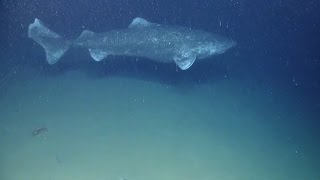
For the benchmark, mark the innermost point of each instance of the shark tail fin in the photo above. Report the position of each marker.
(54, 45)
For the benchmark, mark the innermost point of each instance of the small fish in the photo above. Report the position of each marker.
(58, 159)
(36, 132)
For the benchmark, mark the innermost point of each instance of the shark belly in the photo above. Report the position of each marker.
(148, 43)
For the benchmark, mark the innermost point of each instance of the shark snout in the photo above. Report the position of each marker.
(228, 45)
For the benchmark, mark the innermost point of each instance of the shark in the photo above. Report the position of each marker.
(142, 38)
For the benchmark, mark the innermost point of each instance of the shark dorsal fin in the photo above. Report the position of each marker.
(86, 34)
(139, 22)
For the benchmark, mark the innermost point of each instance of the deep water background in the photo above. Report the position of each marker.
(275, 38)
(277, 47)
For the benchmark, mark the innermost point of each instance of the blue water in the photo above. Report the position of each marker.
(250, 113)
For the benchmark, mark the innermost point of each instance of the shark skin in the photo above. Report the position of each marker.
(157, 42)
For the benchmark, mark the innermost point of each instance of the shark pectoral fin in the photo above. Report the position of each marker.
(98, 54)
(185, 62)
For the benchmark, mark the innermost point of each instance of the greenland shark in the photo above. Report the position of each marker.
(158, 42)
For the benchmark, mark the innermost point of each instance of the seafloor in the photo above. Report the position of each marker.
(124, 128)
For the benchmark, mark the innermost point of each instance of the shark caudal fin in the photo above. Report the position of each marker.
(54, 45)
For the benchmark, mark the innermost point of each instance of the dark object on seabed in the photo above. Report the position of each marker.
(36, 132)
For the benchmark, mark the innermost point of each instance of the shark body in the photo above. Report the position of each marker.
(162, 43)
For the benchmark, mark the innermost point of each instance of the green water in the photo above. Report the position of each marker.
(121, 128)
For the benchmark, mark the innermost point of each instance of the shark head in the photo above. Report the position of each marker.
(201, 47)
(210, 47)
